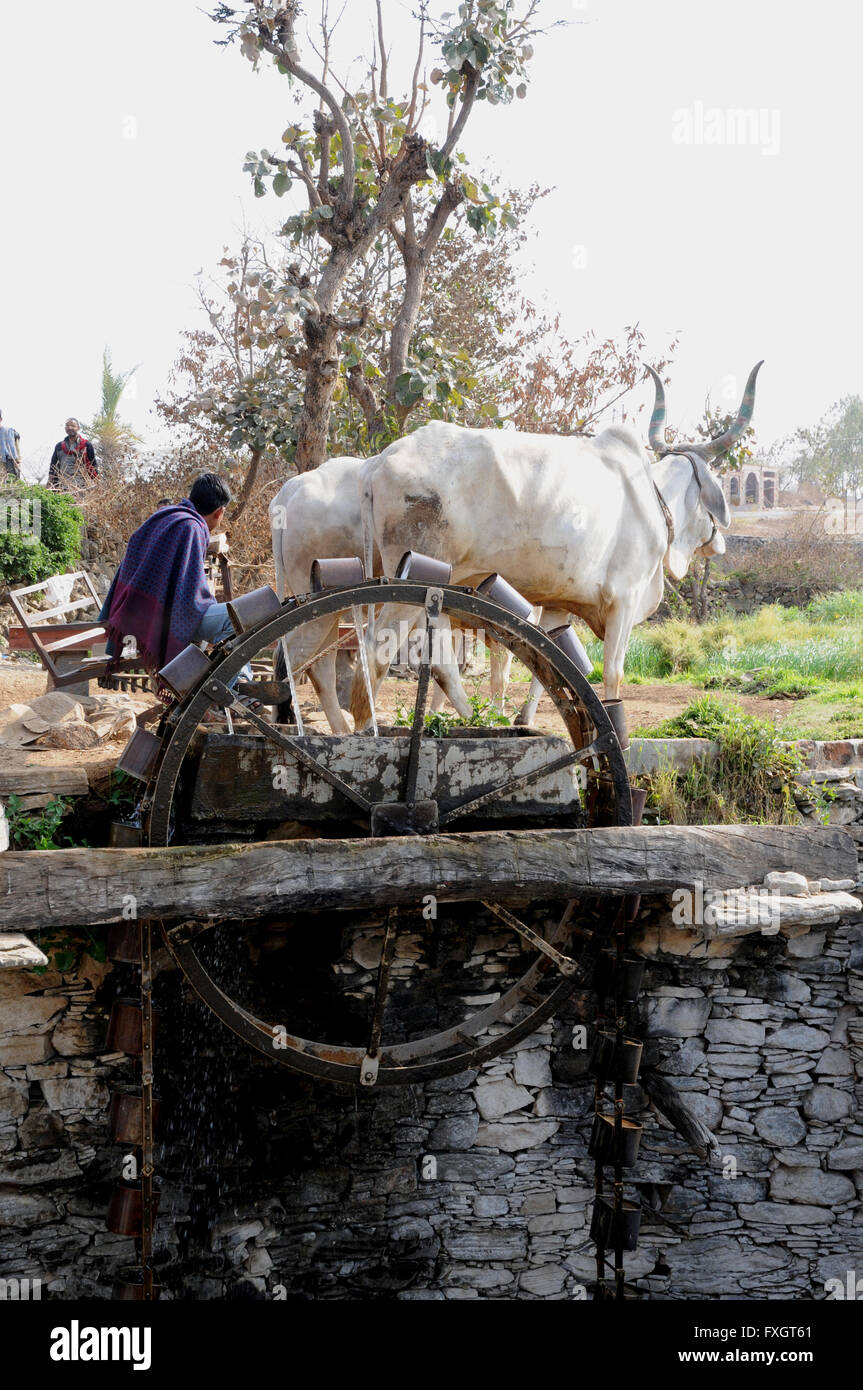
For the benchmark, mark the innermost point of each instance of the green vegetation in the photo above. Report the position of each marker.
(812, 656)
(40, 533)
(37, 829)
(484, 714)
(749, 781)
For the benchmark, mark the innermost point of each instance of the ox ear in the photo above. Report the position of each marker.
(711, 493)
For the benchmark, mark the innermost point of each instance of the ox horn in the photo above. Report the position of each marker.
(713, 448)
(656, 432)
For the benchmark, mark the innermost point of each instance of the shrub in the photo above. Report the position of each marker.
(25, 556)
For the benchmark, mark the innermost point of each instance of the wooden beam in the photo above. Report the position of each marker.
(37, 781)
(87, 886)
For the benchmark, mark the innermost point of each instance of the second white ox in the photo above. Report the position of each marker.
(578, 525)
(316, 515)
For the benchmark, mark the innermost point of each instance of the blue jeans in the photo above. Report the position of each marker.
(216, 626)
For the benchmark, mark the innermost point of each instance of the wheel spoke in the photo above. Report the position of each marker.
(565, 964)
(285, 741)
(418, 726)
(383, 983)
(464, 808)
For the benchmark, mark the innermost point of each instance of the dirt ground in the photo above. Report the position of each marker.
(24, 680)
(645, 705)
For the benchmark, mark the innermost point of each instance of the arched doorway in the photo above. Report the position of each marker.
(751, 493)
(734, 491)
(769, 493)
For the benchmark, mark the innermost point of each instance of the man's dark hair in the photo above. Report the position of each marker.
(209, 492)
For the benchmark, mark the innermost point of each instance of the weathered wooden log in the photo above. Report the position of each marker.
(78, 886)
(671, 1104)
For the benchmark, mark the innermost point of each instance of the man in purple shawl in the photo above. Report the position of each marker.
(160, 595)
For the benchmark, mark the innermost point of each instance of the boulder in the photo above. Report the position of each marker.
(826, 1103)
(13, 1100)
(739, 1032)
(780, 1125)
(787, 883)
(543, 1281)
(783, 1214)
(532, 1067)
(71, 1094)
(811, 1185)
(679, 1014)
(472, 1167)
(516, 1135)
(30, 1013)
(497, 1098)
(454, 1132)
(798, 1037)
(846, 1156)
(835, 1061)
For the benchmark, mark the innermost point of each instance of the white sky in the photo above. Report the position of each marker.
(747, 254)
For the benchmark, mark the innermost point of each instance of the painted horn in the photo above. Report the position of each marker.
(725, 441)
(656, 432)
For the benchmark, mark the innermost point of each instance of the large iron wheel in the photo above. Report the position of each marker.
(522, 1006)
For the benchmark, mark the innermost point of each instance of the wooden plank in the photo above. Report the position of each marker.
(247, 778)
(83, 886)
(19, 637)
(34, 781)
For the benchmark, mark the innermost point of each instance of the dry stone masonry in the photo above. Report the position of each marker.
(476, 1186)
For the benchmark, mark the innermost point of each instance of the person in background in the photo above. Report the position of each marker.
(163, 502)
(160, 595)
(73, 460)
(10, 454)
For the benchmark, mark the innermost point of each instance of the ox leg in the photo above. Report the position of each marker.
(618, 629)
(549, 618)
(394, 623)
(323, 677)
(303, 644)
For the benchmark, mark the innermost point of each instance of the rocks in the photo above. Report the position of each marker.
(497, 1098)
(676, 1013)
(474, 1168)
(707, 1109)
(532, 1068)
(835, 1061)
(32, 1013)
(738, 1032)
(811, 1185)
(782, 1214)
(847, 1156)
(76, 1036)
(454, 1132)
(798, 1036)
(75, 1093)
(544, 1281)
(780, 1126)
(496, 1243)
(17, 951)
(27, 1047)
(13, 1100)
(516, 1135)
(827, 1104)
(790, 884)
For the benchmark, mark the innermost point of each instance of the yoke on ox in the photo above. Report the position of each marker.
(583, 526)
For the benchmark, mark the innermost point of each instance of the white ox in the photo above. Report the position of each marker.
(578, 525)
(316, 515)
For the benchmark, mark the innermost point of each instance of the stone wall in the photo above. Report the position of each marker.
(476, 1186)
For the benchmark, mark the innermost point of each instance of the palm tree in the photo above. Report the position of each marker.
(113, 438)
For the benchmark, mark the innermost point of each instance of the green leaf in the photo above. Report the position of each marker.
(281, 184)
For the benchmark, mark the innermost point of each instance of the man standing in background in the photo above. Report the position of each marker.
(9, 451)
(73, 461)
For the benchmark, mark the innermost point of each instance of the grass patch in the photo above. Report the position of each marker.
(750, 781)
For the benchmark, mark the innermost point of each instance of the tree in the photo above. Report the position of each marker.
(369, 175)
(113, 439)
(830, 454)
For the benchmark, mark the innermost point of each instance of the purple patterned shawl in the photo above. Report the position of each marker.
(160, 592)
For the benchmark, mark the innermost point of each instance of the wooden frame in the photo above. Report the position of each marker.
(73, 637)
